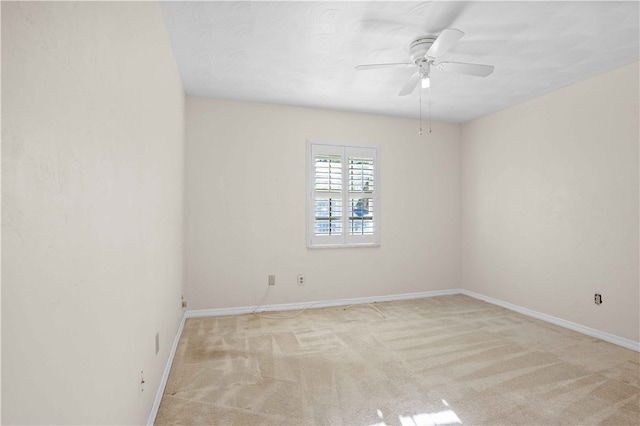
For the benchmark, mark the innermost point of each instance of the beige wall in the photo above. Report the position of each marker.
(92, 173)
(245, 206)
(92, 197)
(550, 203)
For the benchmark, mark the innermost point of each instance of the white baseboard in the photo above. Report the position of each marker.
(165, 375)
(607, 337)
(317, 304)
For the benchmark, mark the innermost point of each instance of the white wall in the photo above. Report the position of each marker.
(550, 203)
(92, 174)
(245, 206)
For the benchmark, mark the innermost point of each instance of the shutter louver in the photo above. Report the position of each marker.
(328, 199)
(361, 206)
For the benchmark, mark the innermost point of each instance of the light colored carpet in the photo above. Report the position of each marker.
(440, 360)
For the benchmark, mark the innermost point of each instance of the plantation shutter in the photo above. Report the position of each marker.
(343, 205)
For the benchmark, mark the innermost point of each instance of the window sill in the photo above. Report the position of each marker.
(342, 246)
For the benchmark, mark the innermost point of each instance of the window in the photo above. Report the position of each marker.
(343, 208)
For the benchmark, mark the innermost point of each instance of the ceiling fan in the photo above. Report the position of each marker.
(425, 53)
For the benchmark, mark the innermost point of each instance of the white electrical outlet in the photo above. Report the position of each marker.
(157, 342)
(300, 279)
(272, 280)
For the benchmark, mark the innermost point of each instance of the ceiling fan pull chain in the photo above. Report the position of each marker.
(420, 132)
(429, 94)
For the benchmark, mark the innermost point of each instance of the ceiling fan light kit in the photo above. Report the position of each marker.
(425, 53)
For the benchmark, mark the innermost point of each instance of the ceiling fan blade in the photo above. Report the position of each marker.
(463, 68)
(444, 42)
(410, 85)
(379, 66)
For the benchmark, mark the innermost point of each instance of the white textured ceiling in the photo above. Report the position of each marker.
(303, 53)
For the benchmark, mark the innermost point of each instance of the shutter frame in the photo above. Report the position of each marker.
(349, 216)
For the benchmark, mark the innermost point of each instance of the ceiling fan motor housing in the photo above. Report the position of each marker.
(419, 48)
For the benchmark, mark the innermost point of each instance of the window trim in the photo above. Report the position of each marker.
(344, 240)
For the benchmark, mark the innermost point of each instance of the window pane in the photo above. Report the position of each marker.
(361, 216)
(361, 174)
(328, 216)
(328, 173)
